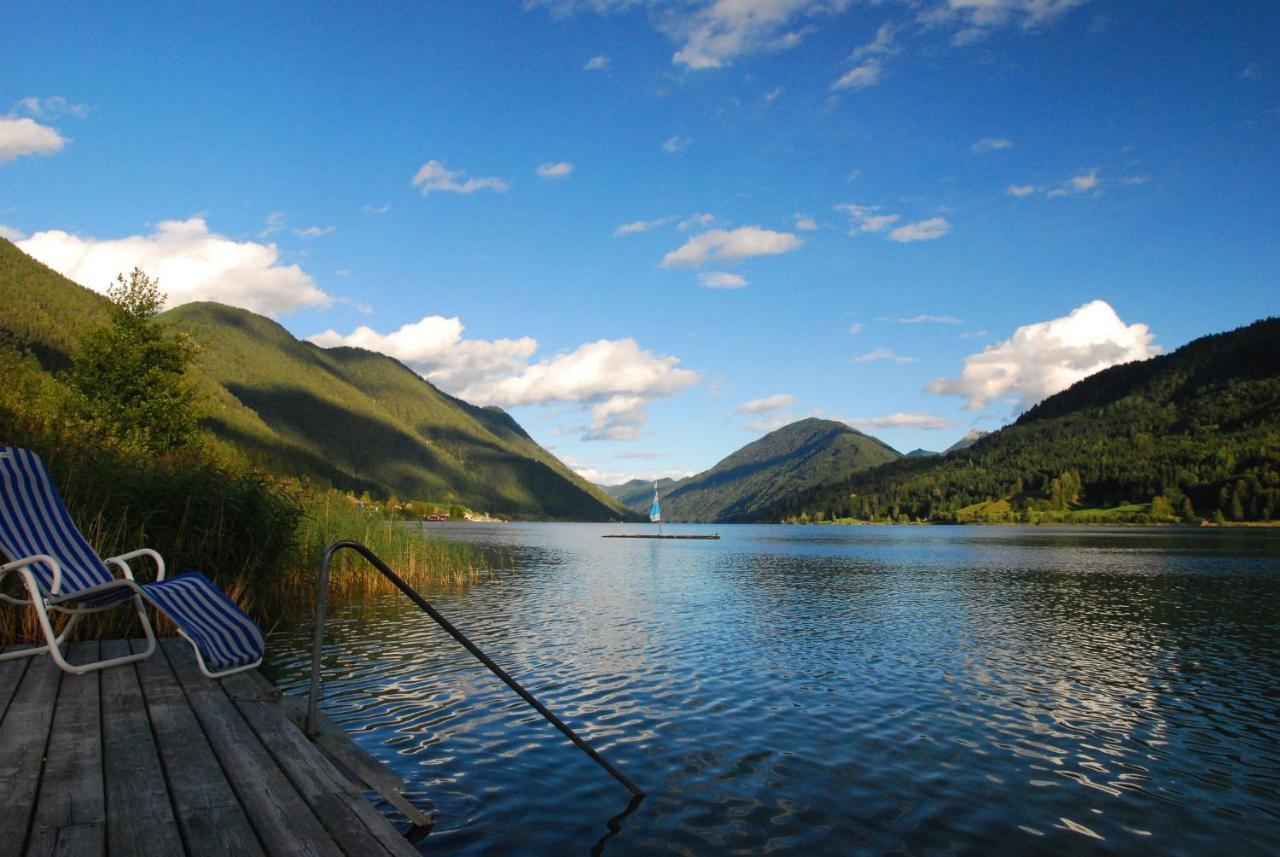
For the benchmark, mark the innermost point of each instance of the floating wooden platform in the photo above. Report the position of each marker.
(637, 536)
(152, 758)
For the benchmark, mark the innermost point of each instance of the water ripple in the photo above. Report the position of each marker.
(833, 690)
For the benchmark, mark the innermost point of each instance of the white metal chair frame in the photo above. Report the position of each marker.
(36, 521)
(44, 603)
(53, 601)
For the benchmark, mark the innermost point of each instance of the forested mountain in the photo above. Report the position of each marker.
(637, 494)
(344, 417)
(1190, 435)
(793, 458)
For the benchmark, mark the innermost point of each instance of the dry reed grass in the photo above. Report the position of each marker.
(424, 562)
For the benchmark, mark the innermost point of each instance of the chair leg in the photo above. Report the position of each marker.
(53, 642)
(204, 668)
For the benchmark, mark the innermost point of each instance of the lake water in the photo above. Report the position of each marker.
(833, 690)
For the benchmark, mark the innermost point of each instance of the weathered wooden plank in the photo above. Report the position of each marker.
(207, 809)
(279, 815)
(71, 806)
(140, 819)
(23, 740)
(10, 676)
(355, 823)
(362, 769)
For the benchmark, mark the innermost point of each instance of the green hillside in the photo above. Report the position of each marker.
(44, 312)
(793, 458)
(1190, 435)
(344, 417)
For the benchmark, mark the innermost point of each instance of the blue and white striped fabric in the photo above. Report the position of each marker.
(224, 634)
(34, 520)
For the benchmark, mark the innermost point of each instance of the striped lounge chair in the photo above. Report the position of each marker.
(62, 574)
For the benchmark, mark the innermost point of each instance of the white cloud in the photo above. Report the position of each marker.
(868, 60)
(866, 218)
(856, 328)
(275, 222)
(1132, 181)
(882, 45)
(434, 347)
(191, 263)
(435, 176)
(53, 107)
(376, 209)
(917, 420)
(1027, 14)
(731, 244)
(1021, 190)
(596, 63)
(696, 221)
(614, 380)
(866, 73)
(23, 136)
(618, 418)
(594, 371)
(805, 223)
(637, 226)
(722, 280)
(1046, 357)
(675, 144)
(973, 334)
(874, 355)
(715, 34)
(767, 405)
(990, 144)
(315, 231)
(878, 354)
(930, 319)
(773, 95)
(10, 233)
(1077, 184)
(968, 36)
(559, 170)
(924, 230)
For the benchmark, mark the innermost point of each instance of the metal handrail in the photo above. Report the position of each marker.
(322, 604)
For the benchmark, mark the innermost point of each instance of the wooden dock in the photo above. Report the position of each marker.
(152, 758)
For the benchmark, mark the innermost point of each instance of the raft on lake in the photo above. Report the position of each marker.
(655, 536)
(655, 516)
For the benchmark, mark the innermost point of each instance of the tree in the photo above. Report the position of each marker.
(128, 379)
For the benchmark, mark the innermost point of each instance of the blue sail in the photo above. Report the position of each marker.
(655, 511)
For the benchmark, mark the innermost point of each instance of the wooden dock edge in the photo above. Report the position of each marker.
(362, 769)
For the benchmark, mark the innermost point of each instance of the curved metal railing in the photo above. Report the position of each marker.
(322, 605)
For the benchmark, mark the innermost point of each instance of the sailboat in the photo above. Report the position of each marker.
(655, 517)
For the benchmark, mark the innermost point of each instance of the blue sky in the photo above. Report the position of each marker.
(654, 230)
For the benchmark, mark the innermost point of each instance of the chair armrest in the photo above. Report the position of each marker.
(20, 565)
(123, 562)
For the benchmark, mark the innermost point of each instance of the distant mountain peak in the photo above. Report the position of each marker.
(971, 437)
(794, 457)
